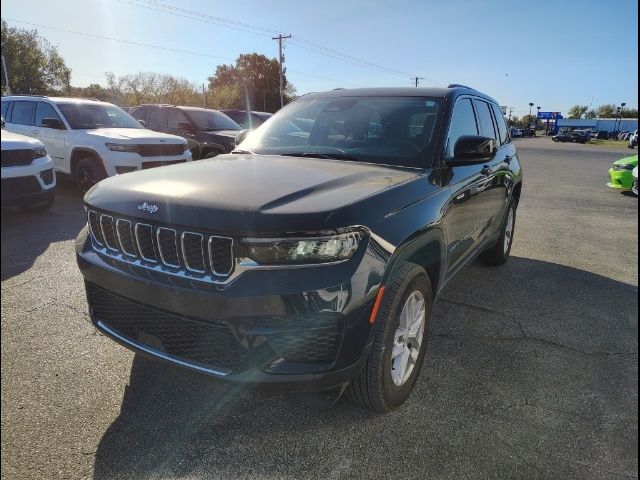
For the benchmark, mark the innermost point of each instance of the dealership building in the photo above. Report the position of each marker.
(598, 124)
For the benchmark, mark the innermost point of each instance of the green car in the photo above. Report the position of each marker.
(621, 173)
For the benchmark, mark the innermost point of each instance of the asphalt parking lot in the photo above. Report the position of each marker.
(531, 369)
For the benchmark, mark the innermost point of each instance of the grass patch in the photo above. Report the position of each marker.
(608, 143)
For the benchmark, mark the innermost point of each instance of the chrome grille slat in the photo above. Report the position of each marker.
(173, 251)
(108, 235)
(166, 252)
(188, 252)
(142, 248)
(216, 257)
(125, 238)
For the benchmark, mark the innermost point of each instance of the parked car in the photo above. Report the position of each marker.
(621, 173)
(89, 139)
(633, 139)
(307, 261)
(623, 135)
(208, 132)
(517, 132)
(28, 176)
(574, 136)
(248, 119)
(634, 174)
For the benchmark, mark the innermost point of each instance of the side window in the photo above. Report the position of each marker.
(44, 110)
(463, 122)
(140, 113)
(485, 120)
(22, 113)
(502, 125)
(5, 108)
(176, 117)
(157, 119)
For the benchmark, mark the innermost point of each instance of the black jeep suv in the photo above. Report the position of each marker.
(307, 259)
(208, 132)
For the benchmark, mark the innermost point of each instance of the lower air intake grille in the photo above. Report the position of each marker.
(210, 344)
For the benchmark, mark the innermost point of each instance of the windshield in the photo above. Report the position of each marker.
(397, 131)
(211, 120)
(92, 115)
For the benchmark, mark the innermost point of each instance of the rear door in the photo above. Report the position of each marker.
(496, 170)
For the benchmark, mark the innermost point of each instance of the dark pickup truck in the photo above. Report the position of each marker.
(308, 259)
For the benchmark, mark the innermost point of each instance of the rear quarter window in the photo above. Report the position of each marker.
(22, 113)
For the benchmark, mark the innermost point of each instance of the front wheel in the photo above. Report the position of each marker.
(499, 253)
(401, 332)
(88, 172)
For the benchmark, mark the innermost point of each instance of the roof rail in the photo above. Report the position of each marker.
(339, 88)
(26, 95)
(458, 85)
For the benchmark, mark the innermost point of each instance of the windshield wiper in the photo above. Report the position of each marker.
(332, 156)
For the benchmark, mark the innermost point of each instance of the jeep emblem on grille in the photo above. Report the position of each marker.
(146, 207)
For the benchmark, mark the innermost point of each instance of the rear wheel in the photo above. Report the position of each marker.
(87, 173)
(499, 253)
(401, 332)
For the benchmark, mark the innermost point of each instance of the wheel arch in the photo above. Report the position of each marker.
(427, 251)
(79, 153)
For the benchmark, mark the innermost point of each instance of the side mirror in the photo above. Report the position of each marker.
(54, 123)
(2, 121)
(471, 149)
(142, 122)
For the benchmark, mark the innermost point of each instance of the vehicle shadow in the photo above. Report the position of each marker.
(533, 353)
(25, 236)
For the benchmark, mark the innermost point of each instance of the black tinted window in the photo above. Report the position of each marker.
(463, 122)
(44, 110)
(140, 113)
(5, 107)
(22, 113)
(157, 119)
(502, 126)
(485, 121)
(176, 117)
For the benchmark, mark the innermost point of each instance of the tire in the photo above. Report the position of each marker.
(555, 140)
(375, 387)
(38, 207)
(87, 173)
(499, 253)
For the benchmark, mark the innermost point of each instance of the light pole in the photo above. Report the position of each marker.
(530, 107)
(538, 116)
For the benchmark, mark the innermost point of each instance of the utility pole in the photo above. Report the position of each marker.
(280, 38)
(510, 112)
(417, 79)
(204, 98)
(6, 74)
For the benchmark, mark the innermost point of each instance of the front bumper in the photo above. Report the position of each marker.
(27, 184)
(131, 161)
(304, 329)
(622, 179)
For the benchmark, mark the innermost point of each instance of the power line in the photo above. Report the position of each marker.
(298, 41)
(159, 47)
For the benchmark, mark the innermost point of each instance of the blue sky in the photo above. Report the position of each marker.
(555, 54)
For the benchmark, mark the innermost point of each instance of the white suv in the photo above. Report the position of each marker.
(90, 139)
(28, 177)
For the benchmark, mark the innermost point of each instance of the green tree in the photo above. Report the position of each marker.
(606, 111)
(256, 78)
(591, 114)
(92, 91)
(151, 87)
(630, 113)
(33, 65)
(577, 111)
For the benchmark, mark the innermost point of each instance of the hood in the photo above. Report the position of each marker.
(15, 141)
(246, 193)
(632, 160)
(230, 134)
(135, 135)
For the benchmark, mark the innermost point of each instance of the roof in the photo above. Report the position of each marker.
(54, 99)
(451, 91)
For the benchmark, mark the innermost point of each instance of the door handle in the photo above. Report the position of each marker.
(486, 170)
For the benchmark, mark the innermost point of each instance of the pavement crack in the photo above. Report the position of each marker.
(16, 285)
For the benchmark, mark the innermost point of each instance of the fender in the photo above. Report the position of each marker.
(76, 150)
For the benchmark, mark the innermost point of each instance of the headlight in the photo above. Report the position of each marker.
(39, 152)
(121, 147)
(297, 251)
